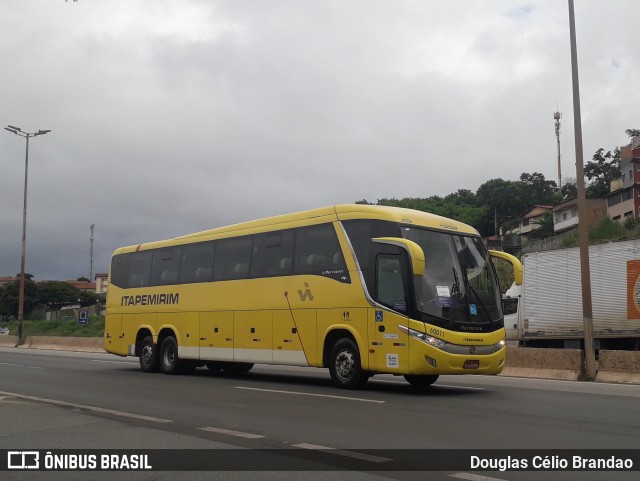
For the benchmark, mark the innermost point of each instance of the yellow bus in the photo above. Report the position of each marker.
(357, 289)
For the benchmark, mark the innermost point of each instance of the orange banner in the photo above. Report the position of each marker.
(633, 289)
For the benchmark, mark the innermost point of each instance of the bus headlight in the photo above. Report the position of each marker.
(421, 336)
(462, 349)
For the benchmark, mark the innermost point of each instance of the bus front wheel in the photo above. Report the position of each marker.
(421, 381)
(344, 365)
(149, 361)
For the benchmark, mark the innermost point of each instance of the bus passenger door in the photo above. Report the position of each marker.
(390, 345)
(216, 336)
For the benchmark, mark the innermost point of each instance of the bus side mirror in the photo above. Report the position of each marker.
(515, 263)
(416, 254)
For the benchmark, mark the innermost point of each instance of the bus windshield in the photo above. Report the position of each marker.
(459, 285)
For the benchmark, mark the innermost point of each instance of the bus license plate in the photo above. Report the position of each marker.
(471, 364)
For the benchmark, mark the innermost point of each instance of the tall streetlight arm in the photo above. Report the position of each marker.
(26, 135)
(18, 131)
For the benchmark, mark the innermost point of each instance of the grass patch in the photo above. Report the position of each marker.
(69, 328)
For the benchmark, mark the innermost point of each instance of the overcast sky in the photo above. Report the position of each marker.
(173, 116)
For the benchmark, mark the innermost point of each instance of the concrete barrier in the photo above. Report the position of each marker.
(87, 344)
(619, 366)
(8, 341)
(564, 364)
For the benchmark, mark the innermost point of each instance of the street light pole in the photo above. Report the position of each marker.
(583, 228)
(26, 135)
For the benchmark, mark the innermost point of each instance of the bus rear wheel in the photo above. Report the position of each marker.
(421, 381)
(170, 363)
(149, 361)
(344, 365)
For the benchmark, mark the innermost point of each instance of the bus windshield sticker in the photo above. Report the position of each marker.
(400, 306)
(444, 301)
(443, 291)
(473, 309)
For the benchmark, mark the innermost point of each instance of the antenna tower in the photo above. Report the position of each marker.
(91, 253)
(557, 115)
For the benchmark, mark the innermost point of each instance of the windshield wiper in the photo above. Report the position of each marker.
(455, 288)
(465, 278)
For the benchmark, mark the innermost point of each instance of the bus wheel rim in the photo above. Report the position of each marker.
(345, 364)
(169, 357)
(147, 354)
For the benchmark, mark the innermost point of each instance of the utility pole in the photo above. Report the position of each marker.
(583, 229)
(91, 254)
(557, 115)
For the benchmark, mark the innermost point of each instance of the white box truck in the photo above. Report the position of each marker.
(546, 309)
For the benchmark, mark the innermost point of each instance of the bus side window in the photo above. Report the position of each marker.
(140, 269)
(165, 266)
(272, 253)
(232, 258)
(197, 262)
(318, 252)
(120, 265)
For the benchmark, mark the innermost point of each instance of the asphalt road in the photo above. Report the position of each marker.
(62, 400)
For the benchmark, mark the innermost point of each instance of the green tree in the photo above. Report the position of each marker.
(88, 299)
(4, 310)
(10, 297)
(495, 200)
(540, 190)
(503, 199)
(601, 170)
(57, 294)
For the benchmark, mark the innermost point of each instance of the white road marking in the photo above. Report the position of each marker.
(474, 477)
(94, 409)
(20, 365)
(345, 398)
(232, 433)
(342, 452)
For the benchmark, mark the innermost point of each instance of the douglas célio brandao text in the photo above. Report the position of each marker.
(551, 463)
